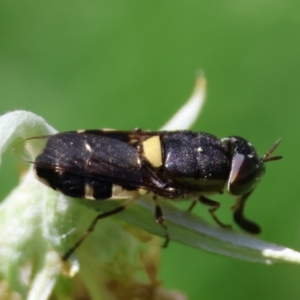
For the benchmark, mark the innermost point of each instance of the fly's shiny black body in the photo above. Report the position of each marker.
(194, 162)
(106, 164)
(175, 164)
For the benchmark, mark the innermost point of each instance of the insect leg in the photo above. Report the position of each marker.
(192, 205)
(91, 228)
(239, 217)
(159, 216)
(214, 205)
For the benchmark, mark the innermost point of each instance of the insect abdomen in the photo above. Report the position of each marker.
(76, 163)
(76, 186)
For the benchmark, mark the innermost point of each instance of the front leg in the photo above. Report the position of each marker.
(214, 205)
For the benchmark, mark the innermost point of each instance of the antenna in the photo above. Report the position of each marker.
(267, 157)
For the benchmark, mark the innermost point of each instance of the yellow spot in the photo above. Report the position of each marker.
(119, 193)
(133, 141)
(142, 192)
(88, 192)
(152, 151)
(107, 129)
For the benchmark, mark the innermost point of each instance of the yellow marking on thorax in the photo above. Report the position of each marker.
(153, 151)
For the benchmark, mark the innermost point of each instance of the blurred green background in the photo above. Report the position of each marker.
(125, 64)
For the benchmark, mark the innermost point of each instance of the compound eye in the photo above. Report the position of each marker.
(245, 174)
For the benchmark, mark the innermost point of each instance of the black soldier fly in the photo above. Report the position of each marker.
(108, 164)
